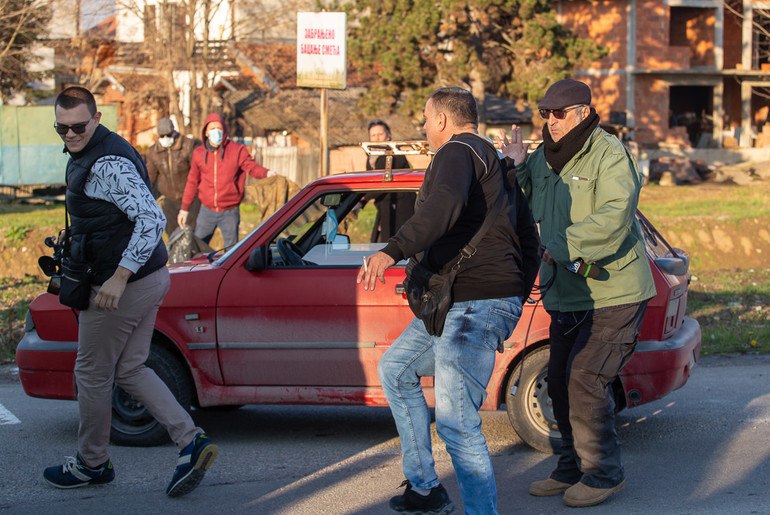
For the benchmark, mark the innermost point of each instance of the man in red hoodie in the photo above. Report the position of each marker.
(218, 176)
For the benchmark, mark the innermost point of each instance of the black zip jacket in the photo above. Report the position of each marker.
(461, 186)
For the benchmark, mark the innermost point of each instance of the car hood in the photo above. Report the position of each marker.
(197, 263)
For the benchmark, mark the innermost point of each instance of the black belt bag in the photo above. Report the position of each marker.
(75, 286)
(429, 295)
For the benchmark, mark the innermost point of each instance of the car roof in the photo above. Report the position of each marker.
(387, 176)
(371, 177)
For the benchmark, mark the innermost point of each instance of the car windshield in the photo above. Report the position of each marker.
(224, 257)
(309, 218)
(335, 229)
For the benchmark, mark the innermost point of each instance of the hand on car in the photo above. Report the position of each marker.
(374, 268)
(514, 149)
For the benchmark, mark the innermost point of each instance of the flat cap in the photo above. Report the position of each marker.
(566, 93)
(165, 126)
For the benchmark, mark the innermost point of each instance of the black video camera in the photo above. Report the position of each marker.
(51, 265)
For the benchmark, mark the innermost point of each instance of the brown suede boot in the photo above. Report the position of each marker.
(548, 487)
(581, 495)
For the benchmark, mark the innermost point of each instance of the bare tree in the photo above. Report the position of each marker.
(760, 27)
(186, 43)
(267, 20)
(22, 22)
(182, 45)
(760, 37)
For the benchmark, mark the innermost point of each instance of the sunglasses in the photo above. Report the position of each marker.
(559, 114)
(78, 128)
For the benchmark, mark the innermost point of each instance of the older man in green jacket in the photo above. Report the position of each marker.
(583, 187)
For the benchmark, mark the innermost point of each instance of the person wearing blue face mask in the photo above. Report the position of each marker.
(168, 163)
(218, 177)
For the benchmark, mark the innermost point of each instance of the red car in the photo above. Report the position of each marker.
(279, 319)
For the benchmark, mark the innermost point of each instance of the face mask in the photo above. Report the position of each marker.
(166, 141)
(215, 136)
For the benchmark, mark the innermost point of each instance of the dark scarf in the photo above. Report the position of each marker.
(558, 154)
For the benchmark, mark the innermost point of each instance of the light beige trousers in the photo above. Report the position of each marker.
(112, 348)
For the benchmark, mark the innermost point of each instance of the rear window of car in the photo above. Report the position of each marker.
(656, 244)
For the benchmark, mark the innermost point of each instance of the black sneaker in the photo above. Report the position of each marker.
(435, 503)
(75, 473)
(194, 460)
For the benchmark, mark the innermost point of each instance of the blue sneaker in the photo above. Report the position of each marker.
(75, 473)
(194, 460)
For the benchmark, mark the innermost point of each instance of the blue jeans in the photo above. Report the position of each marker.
(462, 360)
(227, 221)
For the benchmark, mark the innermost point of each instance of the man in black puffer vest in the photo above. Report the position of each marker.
(116, 228)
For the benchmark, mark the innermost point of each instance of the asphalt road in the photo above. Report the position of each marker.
(703, 449)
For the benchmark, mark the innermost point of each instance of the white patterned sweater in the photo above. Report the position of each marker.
(115, 179)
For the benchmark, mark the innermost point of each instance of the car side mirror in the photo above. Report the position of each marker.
(673, 266)
(331, 200)
(258, 259)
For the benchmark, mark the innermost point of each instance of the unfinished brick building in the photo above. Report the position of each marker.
(679, 72)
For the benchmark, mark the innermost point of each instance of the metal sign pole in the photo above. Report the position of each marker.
(324, 132)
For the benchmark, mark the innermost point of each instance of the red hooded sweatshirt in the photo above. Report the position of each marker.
(218, 175)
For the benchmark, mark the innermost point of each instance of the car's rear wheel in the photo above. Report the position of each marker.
(132, 423)
(530, 410)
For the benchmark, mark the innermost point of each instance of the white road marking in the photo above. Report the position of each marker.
(6, 417)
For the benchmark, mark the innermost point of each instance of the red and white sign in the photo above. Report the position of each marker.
(321, 50)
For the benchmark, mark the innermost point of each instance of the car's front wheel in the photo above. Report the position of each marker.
(132, 423)
(530, 410)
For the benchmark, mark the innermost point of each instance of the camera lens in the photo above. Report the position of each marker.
(54, 285)
(48, 265)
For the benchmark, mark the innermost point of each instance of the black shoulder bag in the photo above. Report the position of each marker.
(429, 293)
(75, 281)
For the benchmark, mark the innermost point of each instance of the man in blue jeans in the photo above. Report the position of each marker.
(461, 187)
